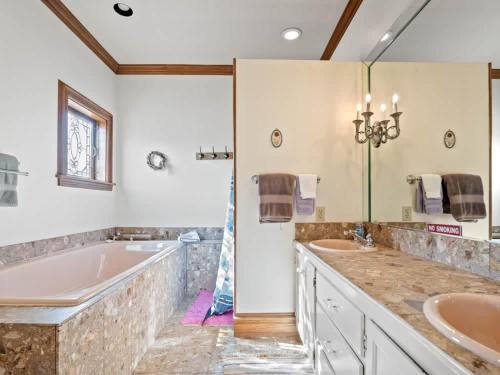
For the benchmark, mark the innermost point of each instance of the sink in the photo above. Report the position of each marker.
(340, 246)
(470, 320)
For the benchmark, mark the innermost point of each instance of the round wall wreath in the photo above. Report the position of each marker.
(157, 160)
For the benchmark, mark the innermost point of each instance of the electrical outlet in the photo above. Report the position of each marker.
(320, 213)
(406, 213)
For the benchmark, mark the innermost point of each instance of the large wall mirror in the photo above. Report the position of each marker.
(436, 58)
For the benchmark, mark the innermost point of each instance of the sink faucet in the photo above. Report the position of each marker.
(366, 242)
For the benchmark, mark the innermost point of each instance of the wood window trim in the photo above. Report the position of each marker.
(66, 94)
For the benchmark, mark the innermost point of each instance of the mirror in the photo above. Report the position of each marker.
(436, 59)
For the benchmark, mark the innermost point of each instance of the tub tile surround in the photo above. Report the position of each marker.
(202, 266)
(27, 349)
(402, 283)
(108, 335)
(476, 256)
(172, 233)
(25, 251)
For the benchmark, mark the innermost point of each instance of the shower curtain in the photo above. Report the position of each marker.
(223, 293)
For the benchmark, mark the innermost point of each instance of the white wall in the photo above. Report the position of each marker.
(496, 153)
(175, 115)
(37, 49)
(435, 97)
(313, 103)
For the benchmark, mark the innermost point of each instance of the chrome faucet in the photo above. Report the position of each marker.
(365, 242)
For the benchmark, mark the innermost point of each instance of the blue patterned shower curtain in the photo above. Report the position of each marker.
(223, 293)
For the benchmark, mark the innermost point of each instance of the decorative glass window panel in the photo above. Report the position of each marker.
(85, 142)
(81, 148)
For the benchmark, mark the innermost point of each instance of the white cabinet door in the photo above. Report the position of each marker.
(323, 366)
(305, 297)
(385, 357)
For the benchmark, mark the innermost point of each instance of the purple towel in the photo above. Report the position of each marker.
(303, 206)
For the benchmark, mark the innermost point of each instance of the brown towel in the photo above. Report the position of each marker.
(463, 197)
(276, 197)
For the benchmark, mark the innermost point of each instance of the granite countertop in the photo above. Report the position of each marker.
(402, 283)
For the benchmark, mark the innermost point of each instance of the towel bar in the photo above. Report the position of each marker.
(14, 172)
(255, 179)
(411, 179)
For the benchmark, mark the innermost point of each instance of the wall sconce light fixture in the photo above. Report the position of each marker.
(380, 131)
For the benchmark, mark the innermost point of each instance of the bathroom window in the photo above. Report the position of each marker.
(84, 142)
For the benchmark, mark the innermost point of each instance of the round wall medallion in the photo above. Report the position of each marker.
(449, 139)
(157, 160)
(276, 138)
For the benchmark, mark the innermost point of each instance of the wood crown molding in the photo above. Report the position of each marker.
(342, 25)
(69, 19)
(280, 325)
(64, 14)
(175, 69)
(495, 73)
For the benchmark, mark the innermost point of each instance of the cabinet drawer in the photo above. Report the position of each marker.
(331, 343)
(348, 319)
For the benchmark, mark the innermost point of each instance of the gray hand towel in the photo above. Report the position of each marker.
(465, 195)
(303, 206)
(276, 197)
(8, 181)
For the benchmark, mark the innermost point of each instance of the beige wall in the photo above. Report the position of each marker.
(312, 103)
(434, 98)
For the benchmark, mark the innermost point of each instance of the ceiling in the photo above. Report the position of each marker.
(451, 31)
(209, 31)
(367, 27)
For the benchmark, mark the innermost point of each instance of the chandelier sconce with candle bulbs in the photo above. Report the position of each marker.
(381, 131)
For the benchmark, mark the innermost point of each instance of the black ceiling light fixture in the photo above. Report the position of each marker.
(123, 9)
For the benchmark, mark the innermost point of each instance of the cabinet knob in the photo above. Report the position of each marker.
(330, 304)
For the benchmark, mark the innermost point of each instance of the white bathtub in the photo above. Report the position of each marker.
(74, 276)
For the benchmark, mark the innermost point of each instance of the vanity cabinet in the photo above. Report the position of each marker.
(348, 319)
(340, 327)
(305, 301)
(332, 348)
(384, 357)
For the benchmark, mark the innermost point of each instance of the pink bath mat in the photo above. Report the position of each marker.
(196, 312)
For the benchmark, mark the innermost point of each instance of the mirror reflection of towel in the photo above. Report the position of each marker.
(464, 197)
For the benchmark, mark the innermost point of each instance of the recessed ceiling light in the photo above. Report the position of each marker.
(291, 33)
(123, 9)
(386, 36)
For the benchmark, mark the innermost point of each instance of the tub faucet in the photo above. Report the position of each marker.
(366, 242)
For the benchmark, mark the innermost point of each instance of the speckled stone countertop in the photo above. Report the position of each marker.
(402, 283)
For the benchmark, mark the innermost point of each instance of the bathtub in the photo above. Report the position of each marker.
(74, 276)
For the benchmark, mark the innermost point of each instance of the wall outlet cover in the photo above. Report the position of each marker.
(320, 213)
(406, 213)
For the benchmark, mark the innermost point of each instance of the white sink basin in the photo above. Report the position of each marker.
(470, 320)
(340, 246)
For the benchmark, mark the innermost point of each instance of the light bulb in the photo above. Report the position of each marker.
(359, 108)
(395, 98)
(368, 98)
(383, 108)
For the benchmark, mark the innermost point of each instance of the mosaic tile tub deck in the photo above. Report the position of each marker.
(108, 334)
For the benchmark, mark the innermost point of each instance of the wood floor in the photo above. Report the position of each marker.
(214, 350)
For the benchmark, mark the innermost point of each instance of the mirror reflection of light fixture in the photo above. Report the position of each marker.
(386, 36)
(380, 132)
